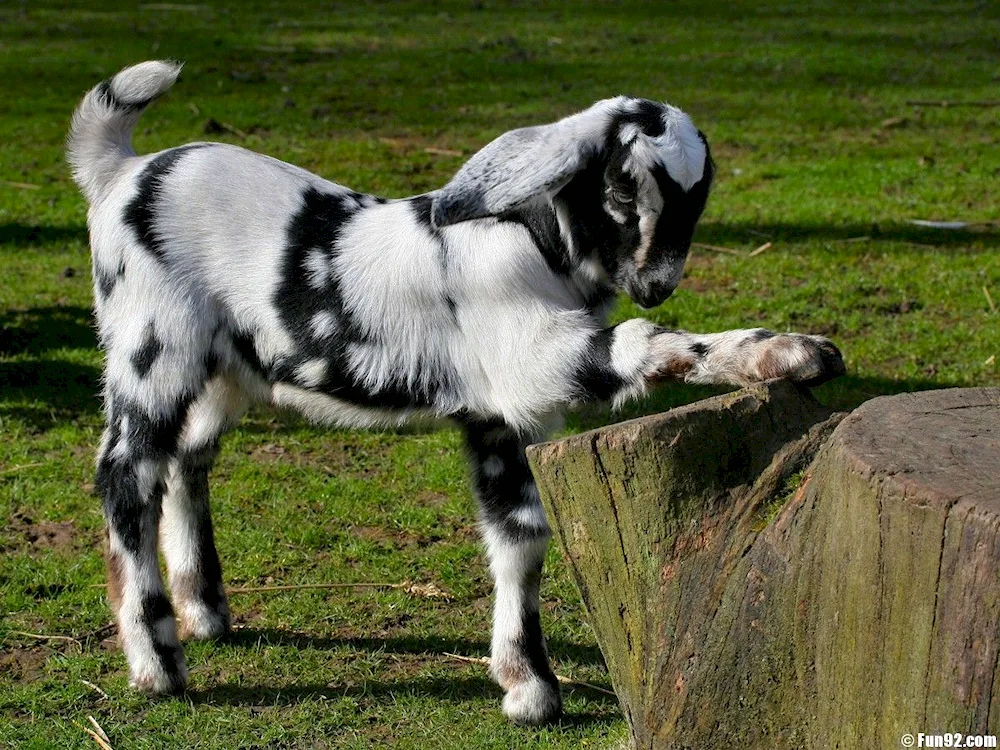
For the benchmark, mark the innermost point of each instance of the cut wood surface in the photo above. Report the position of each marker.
(763, 573)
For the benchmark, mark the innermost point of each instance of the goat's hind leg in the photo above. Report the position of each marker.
(186, 535)
(131, 474)
(516, 535)
(188, 544)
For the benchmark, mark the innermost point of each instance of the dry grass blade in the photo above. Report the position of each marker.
(485, 661)
(863, 238)
(989, 299)
(719, 249)
(20, 185)
(759, 250)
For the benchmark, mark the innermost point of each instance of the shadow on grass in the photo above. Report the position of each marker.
(28, 235)
(918, 238)
(413, 645)
(451, 689)
(454, 689)
(41, 329)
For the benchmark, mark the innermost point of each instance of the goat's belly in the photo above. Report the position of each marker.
(324, 409)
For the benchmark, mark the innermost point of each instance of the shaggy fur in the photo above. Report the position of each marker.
(225, 278)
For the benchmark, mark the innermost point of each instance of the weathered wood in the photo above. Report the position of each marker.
(747, 595)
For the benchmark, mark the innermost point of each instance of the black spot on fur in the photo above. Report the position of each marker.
(148, 439)
(595, 378)
(107, 96)
(144, 357)
(243, 343)
(531, 644)
(316, 228)
(500, 496)
(140, 213)
(105, 281)
(757, 336)
(699, 349)
(155, 608)
(647, 115)
(543, 226)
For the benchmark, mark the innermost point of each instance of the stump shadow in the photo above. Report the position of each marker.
(455, 689)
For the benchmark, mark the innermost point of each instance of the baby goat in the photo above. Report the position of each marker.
(224, 278)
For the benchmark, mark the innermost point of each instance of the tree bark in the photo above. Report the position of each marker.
(761, 572)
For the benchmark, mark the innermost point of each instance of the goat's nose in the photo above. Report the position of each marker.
(655, 294)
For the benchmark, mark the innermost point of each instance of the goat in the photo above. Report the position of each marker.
(224, 278)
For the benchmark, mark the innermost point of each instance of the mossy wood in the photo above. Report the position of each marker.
(761, 572)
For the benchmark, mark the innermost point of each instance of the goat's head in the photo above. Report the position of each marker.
(628, 179)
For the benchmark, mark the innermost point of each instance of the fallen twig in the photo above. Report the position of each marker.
(926, 103)
(92, 686)
(759, 250)
(22, 467)
(426, 590)
(173, 6)
(485, 660)
(101, 741)
(441, 151)
(989, 299)
(45, 637)
(217, 126)
(718, 249)
(99, 729)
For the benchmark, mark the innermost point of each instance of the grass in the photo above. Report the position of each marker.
(819, 153)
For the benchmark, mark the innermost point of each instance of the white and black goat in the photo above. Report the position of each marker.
(224, 278)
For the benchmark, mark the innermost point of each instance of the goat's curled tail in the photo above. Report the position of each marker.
(100, 137)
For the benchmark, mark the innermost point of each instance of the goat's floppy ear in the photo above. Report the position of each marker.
(511, 170)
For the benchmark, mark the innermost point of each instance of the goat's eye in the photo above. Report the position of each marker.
(621, 196)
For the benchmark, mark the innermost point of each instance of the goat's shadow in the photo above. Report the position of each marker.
(456, 689)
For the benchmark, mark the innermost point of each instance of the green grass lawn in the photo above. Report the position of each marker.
(819, 152)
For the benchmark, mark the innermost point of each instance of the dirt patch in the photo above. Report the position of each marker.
(397, 538)
(24, 532)
(23, 664)
(336, 459)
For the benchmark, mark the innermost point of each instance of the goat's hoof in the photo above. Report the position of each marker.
(165, 675)
(198, 621)
(803, 359)
(824, 362)
(533, 701)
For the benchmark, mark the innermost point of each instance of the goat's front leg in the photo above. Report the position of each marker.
(621, 361)
(516, 534)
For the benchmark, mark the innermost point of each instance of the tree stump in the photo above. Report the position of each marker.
(761, 572)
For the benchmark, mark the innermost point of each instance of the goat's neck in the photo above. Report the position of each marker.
(567, 254)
